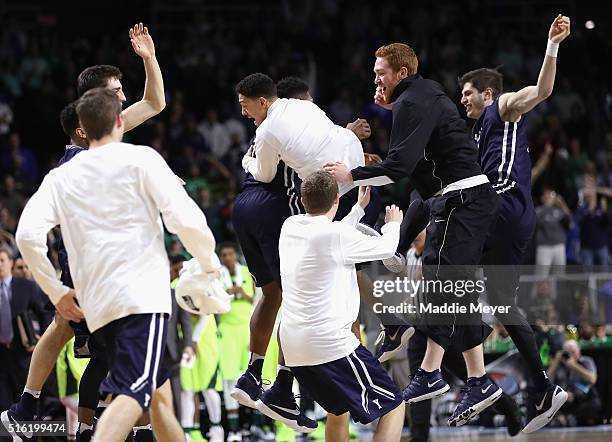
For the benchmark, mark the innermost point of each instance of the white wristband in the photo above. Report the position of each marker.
(552, 48)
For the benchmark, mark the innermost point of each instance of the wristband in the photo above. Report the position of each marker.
(552, 48)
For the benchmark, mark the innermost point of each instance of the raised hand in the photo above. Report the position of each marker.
(361, 128)
(379, 98)
(559, 29)
(364, 196)
(393, 214)
(339, 171)
(141, 41)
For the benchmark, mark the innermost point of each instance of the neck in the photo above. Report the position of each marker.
(106, 139)
(78, 143)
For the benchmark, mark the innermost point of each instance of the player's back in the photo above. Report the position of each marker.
(503, 151)
(308, 138)
(112, 230)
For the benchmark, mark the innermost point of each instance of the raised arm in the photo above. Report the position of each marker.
(514, 104)
(153, 101)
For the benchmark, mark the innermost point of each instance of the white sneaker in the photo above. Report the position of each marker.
(216, 434)
(234, 437)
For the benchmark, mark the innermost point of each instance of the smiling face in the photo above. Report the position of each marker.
(386, 79)
(255, 108)
(474, 101)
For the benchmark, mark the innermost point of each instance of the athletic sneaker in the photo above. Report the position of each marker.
(216, 434)
(234, 436)
(395, 264)
(370, 231)
(394, 340)
(425, 385)
(476, 395)
(282, 407)
(507, 406)
(248, 390)
(543, 406)
(84, 436)
(17, 415)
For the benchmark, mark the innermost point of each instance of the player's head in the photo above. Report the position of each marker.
(479, 88)
(256, 93)
(6, 263)
(293, 87)
(99, 112)
(228, 255)
(393, 63)
(320, 194)
(71, 125)
(176, 264)
(101, 75)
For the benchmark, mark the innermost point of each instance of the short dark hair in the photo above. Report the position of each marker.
(98, 110)
(256, 85)
(6, 251)
(483, 78)
(69, 118)
(319, 191)
(176, 259)
(228, 245)
(96, 76)
(292, 87)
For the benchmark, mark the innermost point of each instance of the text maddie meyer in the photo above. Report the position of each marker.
(404, 308)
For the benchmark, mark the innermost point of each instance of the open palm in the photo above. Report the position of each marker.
(141, 41)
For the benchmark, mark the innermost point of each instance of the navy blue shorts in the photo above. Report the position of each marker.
(258, 217)
(135, 347)
(372, 210)
(357, 384)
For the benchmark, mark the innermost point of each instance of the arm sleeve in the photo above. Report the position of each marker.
(358, 247)
(354, 216)
(38, 217)
(186, 327)
(411, 130)
(180, 213)
(266, 157)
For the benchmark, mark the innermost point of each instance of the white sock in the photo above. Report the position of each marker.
(213, 405)
(83, 427)
(35, 393)
(187, 409)
(282, 367)
(255, 357)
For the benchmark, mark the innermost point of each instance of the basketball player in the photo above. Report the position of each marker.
(116, 241)
(320, 304)
(153, 102)
(431, 147)
(503, 150)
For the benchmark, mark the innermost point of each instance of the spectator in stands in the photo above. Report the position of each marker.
(577, 374)
(215, 133)
(21, 304)
(21, 269)
(19, 161)
(10, 197)
(593, 221)
(553, 218)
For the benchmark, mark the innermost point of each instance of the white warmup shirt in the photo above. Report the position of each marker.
(320, 293)
(299, 133)
(107, 201)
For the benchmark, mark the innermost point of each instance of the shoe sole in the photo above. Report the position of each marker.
(243, 398)
(543, 419)
(393, 265)
(476, 409)
(264, 409)
(403, 345)
(6, 422)
(430, 395)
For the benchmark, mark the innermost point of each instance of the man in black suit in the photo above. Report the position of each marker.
(21, 302)
(177, 345)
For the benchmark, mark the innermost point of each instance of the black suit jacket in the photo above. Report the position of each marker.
(174, 344)
(27, 300)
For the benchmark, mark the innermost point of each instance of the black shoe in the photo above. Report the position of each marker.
(248, 390)
(394, 340)
(476, 396)
(15, 417)
(507, 406)
(543, 406)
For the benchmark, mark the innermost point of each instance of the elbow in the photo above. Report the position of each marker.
(544, 93)
(158, 105)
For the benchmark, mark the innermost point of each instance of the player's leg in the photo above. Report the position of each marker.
(165, 426)
(117, 421)
(337, 428)
(390, 425)
(45, 354)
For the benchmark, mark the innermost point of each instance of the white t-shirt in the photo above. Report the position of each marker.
(320, 293)
(299, 133)
(107, 202)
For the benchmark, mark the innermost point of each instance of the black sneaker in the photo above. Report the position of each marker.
(507, 406)
(248, 390)
(394, 340)
(425, 386)
(15, 417)
(476, 396)
(281, 406)
(543, 406)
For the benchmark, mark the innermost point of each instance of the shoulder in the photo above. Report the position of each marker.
(23, 284)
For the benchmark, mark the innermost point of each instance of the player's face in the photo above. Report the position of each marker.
(385, 78)
(228, 257)
(115, 85)
(472, 100)
(255, 108)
